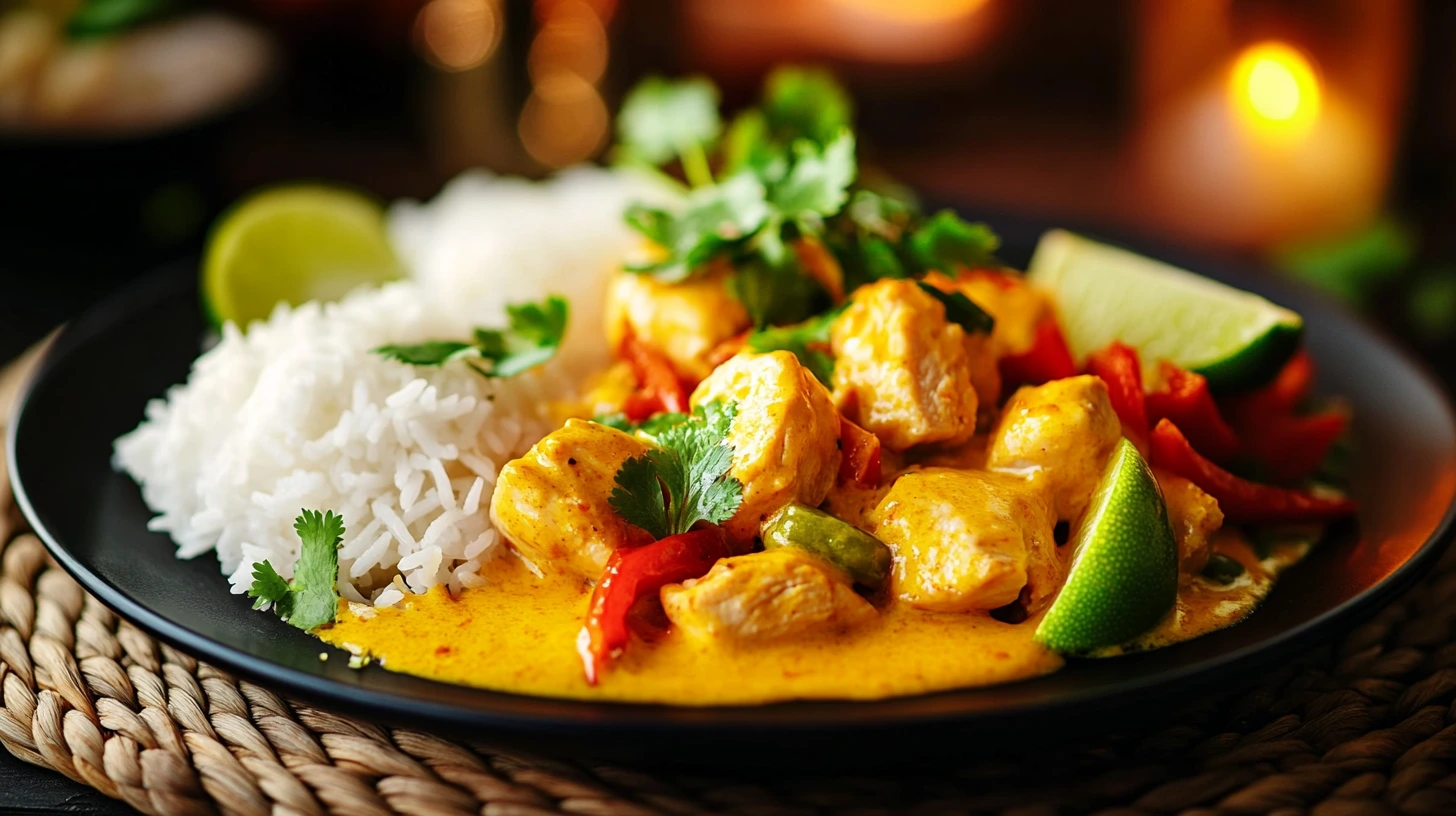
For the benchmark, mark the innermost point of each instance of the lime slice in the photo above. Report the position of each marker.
(293, 244)
(1236, 339)
(1124, 575)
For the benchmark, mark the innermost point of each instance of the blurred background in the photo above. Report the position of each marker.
(1318, 136)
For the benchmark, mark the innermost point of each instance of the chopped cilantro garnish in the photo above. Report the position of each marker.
(684, 479)
(775, 294)
(809, 341)
(817, 184)
(945, 242)
(533, 336)
(311, 599)
(662, 119)
(806, 103)
(961, 310)
(715, 220)
(788, 170)
(651, 426)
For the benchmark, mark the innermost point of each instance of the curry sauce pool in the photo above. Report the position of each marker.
(517, 634)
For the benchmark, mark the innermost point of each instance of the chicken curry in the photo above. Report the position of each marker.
(859, 457)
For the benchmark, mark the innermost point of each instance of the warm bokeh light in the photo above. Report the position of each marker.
(458, 35)
(565, 121)
(1275, 87)
(918, 10)
(572, 39)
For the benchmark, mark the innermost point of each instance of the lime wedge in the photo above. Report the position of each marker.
(1236, 339)
(1124, 575)
(293, 244)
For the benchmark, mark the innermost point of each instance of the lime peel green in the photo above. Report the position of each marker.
(1238, 340)
(1124, 575)
(293, 244)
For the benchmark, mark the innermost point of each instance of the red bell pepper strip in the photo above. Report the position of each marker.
(1291, 447)
(726, 350)
(860, 465)
(632, 574)
(1118, 366)
(1240, 500)
(1185, 400)
(1281, 396)
(1048, 358)
(659, 388)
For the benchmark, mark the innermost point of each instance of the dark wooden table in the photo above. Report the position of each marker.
(27, 789)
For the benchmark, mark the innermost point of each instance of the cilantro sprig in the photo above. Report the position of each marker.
(809, 341)
(650, 427)
(532, 337)
(786, 170)
(684, 479)
(662, 120)
(311, 599)
(880, 235)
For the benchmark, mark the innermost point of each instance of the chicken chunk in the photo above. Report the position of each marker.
(968, 540)
(686, 321)
(1059, 435)
(552, 504)
(765, 596)
(984, 349)
(902, 370)
(785, 436)
(1195, 517)
(1016, 305)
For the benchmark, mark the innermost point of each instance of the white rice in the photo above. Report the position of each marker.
(299, 413)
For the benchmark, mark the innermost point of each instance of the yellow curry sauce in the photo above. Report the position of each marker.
(518, 634)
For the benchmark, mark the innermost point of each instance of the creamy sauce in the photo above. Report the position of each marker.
(1205, 606)
(518, 634)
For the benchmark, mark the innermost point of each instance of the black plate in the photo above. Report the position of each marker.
(102, 370)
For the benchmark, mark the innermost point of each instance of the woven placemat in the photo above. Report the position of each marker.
(1365, 726)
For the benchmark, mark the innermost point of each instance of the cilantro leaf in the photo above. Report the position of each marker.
(430, 353)
(311, 599)
(532, 337)
(637, 496)
(685, 479)
(651, 426)
(748, 145)
(806, 103)
(878, 215)
(961, 310)
(774, 294)
(616, 420)
(818, 182)
(715, 220)
(880, 235)
(315, 595)
(268, 587)
(945, 242)
(662, 119)
(809, 341)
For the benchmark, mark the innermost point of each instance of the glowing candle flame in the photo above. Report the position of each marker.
(1275, 88)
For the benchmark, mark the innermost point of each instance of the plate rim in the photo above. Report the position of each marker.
(526, 713)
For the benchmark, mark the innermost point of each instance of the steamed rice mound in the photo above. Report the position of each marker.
(298, 412)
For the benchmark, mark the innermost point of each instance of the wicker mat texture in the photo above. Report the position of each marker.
(1364, 726)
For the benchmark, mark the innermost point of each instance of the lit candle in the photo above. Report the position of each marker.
(1263, 151)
